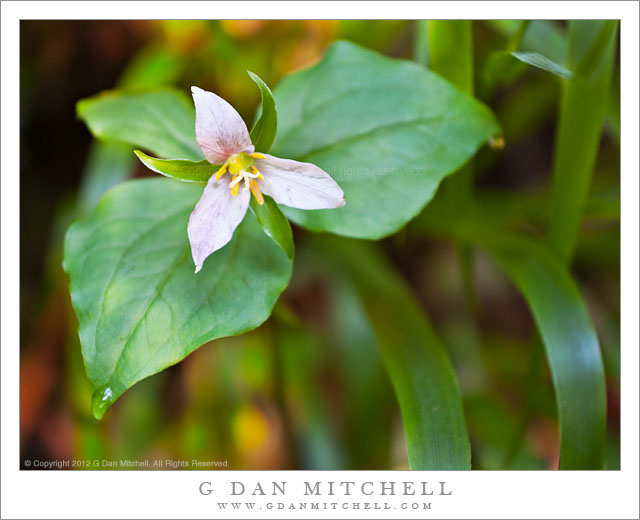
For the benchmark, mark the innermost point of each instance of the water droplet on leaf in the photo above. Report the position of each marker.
(101, 401)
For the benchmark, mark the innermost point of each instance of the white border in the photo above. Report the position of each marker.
(69, 494)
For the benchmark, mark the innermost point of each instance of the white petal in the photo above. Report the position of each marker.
(220, 131)
(297, 184)
(214, 219)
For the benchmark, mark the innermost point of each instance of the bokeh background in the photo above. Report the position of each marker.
(307, 390)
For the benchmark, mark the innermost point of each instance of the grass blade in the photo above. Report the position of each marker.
(582, 115)
(569, 338)
(571, 345)
(535, 59)
(418, 365)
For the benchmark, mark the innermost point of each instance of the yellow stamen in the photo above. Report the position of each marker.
(256, 192)
(255, 170)
(240, 167)
(221, 171)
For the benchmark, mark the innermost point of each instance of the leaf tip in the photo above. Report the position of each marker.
(81, 106)
(144, 159)
(101, 401)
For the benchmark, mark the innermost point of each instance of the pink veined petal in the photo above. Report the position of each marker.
(298, 184)
(214, 219)
(220, 131)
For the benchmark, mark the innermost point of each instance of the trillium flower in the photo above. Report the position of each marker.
(224, 139)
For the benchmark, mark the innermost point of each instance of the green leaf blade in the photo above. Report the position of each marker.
(140, 307)
(504, 67)
(179, 169)
(265, 128)
(161, 121)
(417, 363)
(561, 316)
(537, 60)
(571, 345)
(581, 120)
(544, 36)
(388, 131)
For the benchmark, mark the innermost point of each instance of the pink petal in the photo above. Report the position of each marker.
(214, 219)
(297, 184)
(220, 131)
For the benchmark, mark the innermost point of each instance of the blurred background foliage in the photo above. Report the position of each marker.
(308, 389)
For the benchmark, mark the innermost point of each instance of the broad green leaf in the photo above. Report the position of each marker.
(110, 162)
(274, 224)
(582, 114)
(265, 128)
(140, 307)
(161, 121)
(416, 361)
(388, 131)
(180, 169)
(562, 318)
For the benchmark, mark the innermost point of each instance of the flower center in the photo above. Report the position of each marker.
(240, 167)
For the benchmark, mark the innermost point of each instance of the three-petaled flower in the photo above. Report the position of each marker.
(224, 139)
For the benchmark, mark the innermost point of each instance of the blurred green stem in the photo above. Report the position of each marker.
(451, 51)
(514, 42)
(421, 43)
(450, 48)
(583, 109)
(451, 56)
